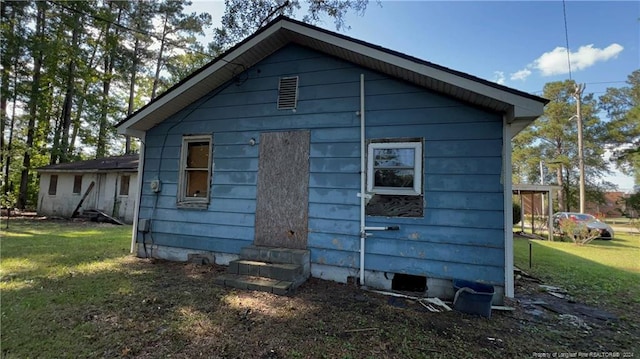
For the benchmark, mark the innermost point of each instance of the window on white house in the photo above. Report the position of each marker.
(124, 185)
(77, 184)
(53, 185)
(395, 168)
(195, 171)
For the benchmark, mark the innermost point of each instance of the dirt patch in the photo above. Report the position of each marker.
(327, 319)
(159, 309)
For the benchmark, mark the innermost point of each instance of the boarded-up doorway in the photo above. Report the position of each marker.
(283, 190)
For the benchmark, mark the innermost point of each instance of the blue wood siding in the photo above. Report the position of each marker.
(461, 234)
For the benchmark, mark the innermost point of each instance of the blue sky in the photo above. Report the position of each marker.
(519, 44)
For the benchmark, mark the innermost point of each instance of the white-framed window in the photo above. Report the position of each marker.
(195, 171)
(395, 168)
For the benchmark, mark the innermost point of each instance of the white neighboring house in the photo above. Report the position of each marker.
(107, 184)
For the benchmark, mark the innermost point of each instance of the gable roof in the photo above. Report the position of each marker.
(520, 107)
(126, 163)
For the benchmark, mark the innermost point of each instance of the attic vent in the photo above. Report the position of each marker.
(288, 93)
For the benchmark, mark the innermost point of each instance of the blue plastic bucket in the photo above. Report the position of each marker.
(473, 297)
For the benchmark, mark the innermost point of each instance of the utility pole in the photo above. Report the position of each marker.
(578, 96)
(542, 183)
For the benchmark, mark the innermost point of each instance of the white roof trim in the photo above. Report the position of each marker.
(202, 76)
(523, 107)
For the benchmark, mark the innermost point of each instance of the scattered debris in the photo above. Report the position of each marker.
(394, 294)
(434, 305)
(557, 295)
(575, 321)
(520, 274)
(99, 216)
(435, 301)
(563, 306)
(503, 308)
(550, 288)
(429, 307)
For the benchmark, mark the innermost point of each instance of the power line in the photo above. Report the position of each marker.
(566, 35)
(606, 82)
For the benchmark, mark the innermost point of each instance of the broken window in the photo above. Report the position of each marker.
(77, 184)
(195, 171)
(394, 178)
(124, 185)
(53, 185)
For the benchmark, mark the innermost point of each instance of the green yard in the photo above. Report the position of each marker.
(72, 290)
(602, 272)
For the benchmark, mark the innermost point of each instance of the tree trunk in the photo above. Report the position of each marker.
(4, 79)
(7, 161)
(81, 101)
(109, 61)
(561, 196)
(132, 90)
(68, 98)
(34, 98)
(156, 78)
(101, 148)
(4, 93)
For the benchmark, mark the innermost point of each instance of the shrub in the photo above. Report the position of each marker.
(578, 232)
(517, 212)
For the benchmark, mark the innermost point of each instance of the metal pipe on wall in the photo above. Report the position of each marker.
(363, 234)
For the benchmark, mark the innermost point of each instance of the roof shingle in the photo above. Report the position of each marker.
(116, 163)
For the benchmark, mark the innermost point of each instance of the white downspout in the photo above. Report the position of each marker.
(136, 210)
(508, 208)
(362, 194)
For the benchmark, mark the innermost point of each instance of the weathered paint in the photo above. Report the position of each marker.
(461, 234)
(104, 196)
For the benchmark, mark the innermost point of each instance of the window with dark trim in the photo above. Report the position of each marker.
(124, 185)
(195, 171)
(77, 184)
(53, 185)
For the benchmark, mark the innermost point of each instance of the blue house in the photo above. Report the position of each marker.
(365, 163)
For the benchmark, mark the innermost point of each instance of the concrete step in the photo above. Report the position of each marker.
(268, 269)
(275, 255)
(245, 282)
(280, 271)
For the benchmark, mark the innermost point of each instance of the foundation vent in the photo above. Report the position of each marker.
(288, 93)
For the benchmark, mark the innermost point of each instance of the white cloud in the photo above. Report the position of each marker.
(498, 77)
(521, 75)
(555, 62)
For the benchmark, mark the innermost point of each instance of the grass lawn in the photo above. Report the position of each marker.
(71, 289)
(52, 275)
(603, 272)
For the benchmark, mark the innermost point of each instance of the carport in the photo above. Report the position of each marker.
(532, 189)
